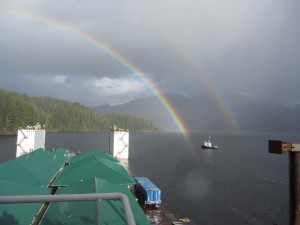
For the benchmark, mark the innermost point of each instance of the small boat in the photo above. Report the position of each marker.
(208, 145)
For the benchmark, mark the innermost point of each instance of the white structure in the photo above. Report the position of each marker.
(30, 139)
(119, 143)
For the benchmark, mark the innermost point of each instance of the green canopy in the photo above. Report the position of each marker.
(93, 153)
(31, 173)
(94, 166)
(26, 175)
(35, 168)
(111, 211)
(19, 214)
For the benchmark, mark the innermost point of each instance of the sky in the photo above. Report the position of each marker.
(111, 52)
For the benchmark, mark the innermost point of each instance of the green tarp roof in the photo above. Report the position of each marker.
(26, 175)
(93, 166)
(19, 214)
(93, 153)
(111, 211)
(36, 168)
(31, 173)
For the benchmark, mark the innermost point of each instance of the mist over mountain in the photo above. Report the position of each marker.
(232, 111)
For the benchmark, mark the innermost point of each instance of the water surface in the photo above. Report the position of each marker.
(241, 183)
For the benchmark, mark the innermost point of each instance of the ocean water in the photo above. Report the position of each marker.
(241, 183)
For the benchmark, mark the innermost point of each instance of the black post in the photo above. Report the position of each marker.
(294, 167)
(281, 147)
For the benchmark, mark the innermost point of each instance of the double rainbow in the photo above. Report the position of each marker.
(98, 43)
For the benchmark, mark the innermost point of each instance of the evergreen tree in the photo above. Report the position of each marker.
(19, 110)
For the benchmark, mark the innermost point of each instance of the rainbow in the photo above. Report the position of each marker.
(212, 91)
(97, 42)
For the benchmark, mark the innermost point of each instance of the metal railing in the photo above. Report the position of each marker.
(73, 198)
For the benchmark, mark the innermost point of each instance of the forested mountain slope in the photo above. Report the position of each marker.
(19, 110)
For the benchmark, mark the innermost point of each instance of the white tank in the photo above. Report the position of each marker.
(119, 142)
(30, 139)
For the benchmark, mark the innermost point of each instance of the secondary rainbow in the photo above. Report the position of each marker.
(95, 41)
(207, 84)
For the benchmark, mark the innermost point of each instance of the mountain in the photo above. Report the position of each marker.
(231, 111)
(150, 108)
(19, 110)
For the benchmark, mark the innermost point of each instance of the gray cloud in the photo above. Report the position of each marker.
(181, 46)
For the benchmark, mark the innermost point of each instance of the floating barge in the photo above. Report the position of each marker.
(147, 192)
(49, 175)
(41, 187)
(47, 187)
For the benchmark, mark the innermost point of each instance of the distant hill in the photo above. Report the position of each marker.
(150, 108)
(233, 111)
(19, 110)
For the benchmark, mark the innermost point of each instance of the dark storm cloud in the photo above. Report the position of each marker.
(182, 46)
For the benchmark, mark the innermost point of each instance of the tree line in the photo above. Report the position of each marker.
(19, 110)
